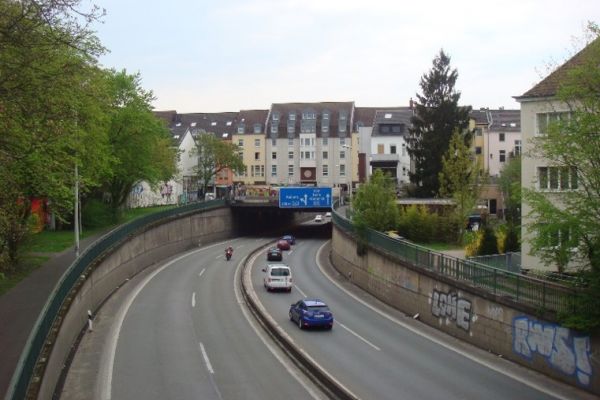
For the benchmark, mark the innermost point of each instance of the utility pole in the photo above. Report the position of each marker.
(76, 213)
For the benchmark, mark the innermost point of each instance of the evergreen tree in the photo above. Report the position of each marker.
(437, 116)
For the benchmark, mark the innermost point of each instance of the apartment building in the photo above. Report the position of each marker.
(250, 138)
(539, 107)
(389, 143)
(311, 144)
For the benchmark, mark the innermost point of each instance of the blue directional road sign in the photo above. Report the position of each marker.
(305, 197)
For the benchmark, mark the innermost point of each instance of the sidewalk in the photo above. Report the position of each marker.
(20, 307)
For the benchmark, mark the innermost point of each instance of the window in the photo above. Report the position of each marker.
(240, 129)
(325, 155)
(290, 170)
(290, 141)
(380, 149)
(273, 128)
(393, 149)
(256, 142)
(478, 132)
(325, 170)
(275, 116)
(290, 155)
(325, 141)
(273, 142)
(292, 116)
(325, 129)
(309, 115)
(257, 155)
(342, 141)
(384, 129)
(326, 115)
(517, 147)
(544, 120)
(273, 170)
(342, 154)
(557, 178)
(501, 137)
(241, 142)
(502, 156)
(257, 128)
(478, 150)
(291, 127)
(342, 170)
(273, 156)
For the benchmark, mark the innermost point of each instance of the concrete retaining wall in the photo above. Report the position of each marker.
(151, 246)
(490, 322)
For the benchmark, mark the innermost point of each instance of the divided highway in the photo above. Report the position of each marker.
(181, 331)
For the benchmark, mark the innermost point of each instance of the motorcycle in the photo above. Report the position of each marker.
(228, 254)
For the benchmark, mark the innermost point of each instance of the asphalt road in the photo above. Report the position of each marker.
(382, 357)
(180, 332)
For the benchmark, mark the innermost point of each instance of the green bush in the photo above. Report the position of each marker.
(97, 214)
(511, 241)
(489, 242)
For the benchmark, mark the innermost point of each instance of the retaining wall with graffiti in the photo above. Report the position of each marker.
(490, 322)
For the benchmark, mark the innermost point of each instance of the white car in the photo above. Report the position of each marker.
(319, 218)
(277, 276)
(328, 214)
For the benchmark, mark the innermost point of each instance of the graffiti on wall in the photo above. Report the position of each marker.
(450, 305)
(562, 350)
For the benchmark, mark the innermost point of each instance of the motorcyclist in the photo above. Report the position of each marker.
(228, 252)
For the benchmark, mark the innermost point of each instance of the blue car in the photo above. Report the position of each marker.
(290, 239)
(311, 312)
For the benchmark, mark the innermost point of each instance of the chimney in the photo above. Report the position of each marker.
(410, 103)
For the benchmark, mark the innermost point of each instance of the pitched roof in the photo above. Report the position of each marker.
(251, 117)
(505, 120)
(218, 124)
(480, 116)
(549, 86)
(335, 109)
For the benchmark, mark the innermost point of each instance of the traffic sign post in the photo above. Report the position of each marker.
(305, 197)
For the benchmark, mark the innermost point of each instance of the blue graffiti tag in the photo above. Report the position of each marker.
(567, 353)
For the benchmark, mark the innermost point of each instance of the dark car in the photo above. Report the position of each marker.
(274, 254)
(289, 238)
(311, 312)
(283, 244)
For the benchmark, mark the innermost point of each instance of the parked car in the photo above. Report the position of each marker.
(277, 276)
(283, 244)
(319, 218)
(291, 239)
(311, 312)
(274, 254)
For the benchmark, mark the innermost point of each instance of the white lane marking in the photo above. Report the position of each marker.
(301, 292)
(290, 253)
(241, 246)
(300, 378)
(194, 299)
(206, 360)
(219, 256)
(108, 361)
(425, 335)
(358, 336)
(201, 272)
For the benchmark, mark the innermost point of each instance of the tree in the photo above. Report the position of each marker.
(374, 205)
(49, 108)
(436, 118)
(510, 185)
(460, 179)
(140, 144)
(214, 156)
(568, 223)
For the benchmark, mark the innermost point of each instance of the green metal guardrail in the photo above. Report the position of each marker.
(520, 288)
(35, 343)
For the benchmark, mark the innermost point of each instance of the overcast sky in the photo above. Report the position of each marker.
(228, 55)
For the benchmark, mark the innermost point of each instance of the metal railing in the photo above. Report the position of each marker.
(510, 261)
(73, 276)
(520, 288)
